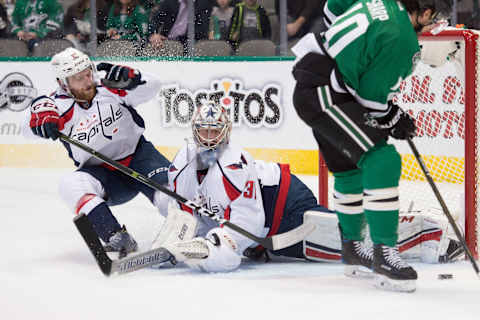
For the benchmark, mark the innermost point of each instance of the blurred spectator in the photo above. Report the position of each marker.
(249, 22)
(76, 24)
(220, 20)
(37, 19)
(127, 20)
(303, 16)
(170, 21)
(4, 22)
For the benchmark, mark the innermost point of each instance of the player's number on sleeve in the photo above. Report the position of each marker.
(250, 190)
(342, 34)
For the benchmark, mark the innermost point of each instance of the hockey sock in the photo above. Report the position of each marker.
(348, 203)
(381, 168)
(103, 221)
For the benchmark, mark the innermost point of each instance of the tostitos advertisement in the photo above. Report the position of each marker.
(257, 95)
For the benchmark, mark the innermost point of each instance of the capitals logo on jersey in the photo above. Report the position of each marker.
(98, 123)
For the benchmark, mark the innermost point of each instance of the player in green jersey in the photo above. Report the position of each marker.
(346, 78)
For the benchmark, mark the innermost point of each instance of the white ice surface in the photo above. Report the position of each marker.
(46, 272)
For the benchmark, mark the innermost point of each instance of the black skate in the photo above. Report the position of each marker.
(454, 252)
(391, 272)
(357, 258)
(121, 242)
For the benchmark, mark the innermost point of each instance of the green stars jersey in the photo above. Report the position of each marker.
(374, 45)
(39, 16)
(334, 8)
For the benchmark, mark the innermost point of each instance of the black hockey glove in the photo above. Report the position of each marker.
(120, 77)
(400, 125)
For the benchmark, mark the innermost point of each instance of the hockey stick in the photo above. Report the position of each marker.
(439, 197)
(275, 242)
(120, 266)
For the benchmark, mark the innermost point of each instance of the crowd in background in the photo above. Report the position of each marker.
(154, 21)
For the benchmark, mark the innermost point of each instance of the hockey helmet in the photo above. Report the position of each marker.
(211, 126)
(68, 63)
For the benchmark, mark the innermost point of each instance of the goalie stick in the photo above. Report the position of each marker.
(275, 242)
(445, 209)
(120, 266)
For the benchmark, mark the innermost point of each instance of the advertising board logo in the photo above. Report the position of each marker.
(16, 92)
(437, 105)
(254, 107)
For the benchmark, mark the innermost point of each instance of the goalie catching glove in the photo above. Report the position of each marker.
(44, 118)
(214, 253)
(120, 77)
(401, 125)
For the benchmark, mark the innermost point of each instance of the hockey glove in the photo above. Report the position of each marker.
(120, 77)
(400, 125)
(44, 119)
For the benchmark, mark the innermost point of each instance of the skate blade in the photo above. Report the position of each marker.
(384, 283)
(358, 272)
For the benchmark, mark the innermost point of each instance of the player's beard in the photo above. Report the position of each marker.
(85, 95)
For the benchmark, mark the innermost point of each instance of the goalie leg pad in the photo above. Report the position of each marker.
(323, 244)
(179, 226)
(423, 237)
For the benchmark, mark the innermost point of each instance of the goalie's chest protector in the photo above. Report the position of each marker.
(223, 185)
(109, 126)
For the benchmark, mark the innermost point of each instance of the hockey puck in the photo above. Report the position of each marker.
(445, 276)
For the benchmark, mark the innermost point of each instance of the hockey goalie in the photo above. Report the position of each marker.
(266, 199)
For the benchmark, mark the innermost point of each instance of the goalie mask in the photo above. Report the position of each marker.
(211, 128)
(68, 63)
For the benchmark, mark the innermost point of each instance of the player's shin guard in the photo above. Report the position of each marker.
(356, 257)
(348, 203)
(381, 209)
(381, 167)
(103, 222)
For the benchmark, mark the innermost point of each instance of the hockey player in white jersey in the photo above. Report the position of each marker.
(104, 119)
(263, 198)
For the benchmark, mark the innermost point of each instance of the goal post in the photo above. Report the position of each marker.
(443, 96)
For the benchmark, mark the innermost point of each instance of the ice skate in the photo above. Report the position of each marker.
(121, 242)
(391, 272)
(357, 258)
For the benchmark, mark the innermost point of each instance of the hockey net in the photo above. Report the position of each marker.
(443, 96)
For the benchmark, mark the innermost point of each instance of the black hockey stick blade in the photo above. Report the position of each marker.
(93, 243)
(120, 266)
(122, 84)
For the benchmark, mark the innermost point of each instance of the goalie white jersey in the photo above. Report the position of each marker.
(229, 188)
(110, 125)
